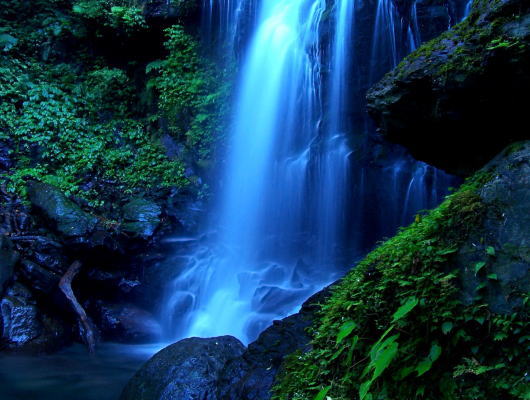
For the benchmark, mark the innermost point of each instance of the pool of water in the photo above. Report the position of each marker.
(72, 374)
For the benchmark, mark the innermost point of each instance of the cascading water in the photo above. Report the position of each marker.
(299, 203)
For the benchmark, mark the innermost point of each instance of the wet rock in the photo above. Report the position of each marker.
(8, 259)
(456, 101)
(142, 217)
(20, 317)
(186, 370)
(26, 328)
(65, 216)
(40, 278)
(504, 243)
(127, 323)
(251, 376)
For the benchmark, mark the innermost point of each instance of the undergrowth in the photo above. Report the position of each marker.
(395, 328)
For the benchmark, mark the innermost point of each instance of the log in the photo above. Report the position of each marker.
(65, 284)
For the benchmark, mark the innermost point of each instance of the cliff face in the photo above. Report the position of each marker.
(461, 98)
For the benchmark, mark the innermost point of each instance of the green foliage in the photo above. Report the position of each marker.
(431, 346)
(193, 94)
(52, 125)
(74, 121)
(115, 14)
(109, 90)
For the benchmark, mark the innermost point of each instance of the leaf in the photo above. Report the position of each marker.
(447, 251)
(364, 388)
(435, 353)
(345, 330)
(405, 309)
(447, 327)
(493, 277)
(479, 266)
(423, 366)
(322, 394)
(384, 359)
(490, 250)
(426, 364)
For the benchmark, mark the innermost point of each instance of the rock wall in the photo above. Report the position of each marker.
(460, 99)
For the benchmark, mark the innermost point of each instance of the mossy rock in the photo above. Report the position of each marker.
(460, 99)
(141, 217)
(64, 215)
(440, 311)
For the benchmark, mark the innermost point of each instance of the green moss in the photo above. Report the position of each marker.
(395, 328)
(460, 49)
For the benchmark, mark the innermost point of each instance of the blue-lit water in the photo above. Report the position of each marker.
(72, 374)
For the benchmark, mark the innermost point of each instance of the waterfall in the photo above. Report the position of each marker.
(301, 199)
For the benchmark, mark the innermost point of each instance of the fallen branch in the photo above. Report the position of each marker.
(65, 284)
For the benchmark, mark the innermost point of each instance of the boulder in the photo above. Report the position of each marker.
(40, 278)
(458, 100)
(142, 217)
(127, 323)
(20, 317)
(186, 370)
(251, 376)
(65, 216)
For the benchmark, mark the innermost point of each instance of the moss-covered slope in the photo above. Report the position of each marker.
(440, 311)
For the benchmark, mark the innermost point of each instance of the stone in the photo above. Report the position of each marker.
(186, 370)
(142, 217)
(65, 216)
(251, 376)
(504, 242)
(8, 259)
(127, 323)
(20, 322)
(40, 278)
(456, 101)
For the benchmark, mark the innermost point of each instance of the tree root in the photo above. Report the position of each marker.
(65, 284)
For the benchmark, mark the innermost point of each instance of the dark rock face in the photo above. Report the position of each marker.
(456, 101)
(40, 278)
(66, 216)
(186, 370)
(251, 376)
(127, 323)
(25, 328)
(142, 217)
(8, 259)
(504, 244)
